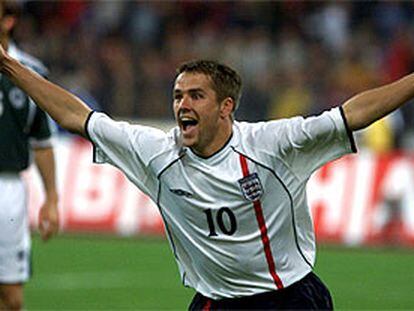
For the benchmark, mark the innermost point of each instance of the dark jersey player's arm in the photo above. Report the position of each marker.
(66, 109)
(370, 106)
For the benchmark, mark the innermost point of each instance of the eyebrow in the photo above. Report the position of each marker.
(190, 90)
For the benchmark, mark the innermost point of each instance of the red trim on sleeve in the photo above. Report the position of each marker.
(263, 229)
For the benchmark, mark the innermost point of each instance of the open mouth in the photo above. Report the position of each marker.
(188, 123)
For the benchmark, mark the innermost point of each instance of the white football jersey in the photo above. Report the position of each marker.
(237, 221)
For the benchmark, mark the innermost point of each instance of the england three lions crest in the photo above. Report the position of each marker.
(251, 187)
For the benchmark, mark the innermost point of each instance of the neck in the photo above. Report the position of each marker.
(218, 143)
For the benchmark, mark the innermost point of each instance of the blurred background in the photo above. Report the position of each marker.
(296, 58)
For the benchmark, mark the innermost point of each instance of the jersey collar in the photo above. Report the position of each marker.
(215, 153)
(231, 142)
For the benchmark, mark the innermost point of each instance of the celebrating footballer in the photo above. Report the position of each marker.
(232, 194)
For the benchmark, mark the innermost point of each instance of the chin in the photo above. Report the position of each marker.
(188, 142)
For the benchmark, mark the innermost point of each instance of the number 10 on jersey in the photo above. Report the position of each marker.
(222, 219)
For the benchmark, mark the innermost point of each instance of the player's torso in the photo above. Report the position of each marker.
(237, 212)
(215, 197)
(16, 116)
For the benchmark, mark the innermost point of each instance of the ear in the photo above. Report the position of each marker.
(227, 107)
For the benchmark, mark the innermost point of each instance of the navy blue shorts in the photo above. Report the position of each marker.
(307, 294)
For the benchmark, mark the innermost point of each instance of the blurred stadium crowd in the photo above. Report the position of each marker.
(295, 57)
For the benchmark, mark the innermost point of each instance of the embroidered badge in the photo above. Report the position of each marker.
(251, 187)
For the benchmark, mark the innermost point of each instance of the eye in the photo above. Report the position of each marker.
(177, 97)
(196, 96)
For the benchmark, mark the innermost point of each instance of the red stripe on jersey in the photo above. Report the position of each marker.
(263, 229)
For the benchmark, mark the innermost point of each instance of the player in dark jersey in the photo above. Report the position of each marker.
(215, 180)
(23, 128)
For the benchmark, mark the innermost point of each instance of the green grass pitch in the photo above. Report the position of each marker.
(90, 273)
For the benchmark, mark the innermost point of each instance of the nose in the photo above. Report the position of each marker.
(185, 103)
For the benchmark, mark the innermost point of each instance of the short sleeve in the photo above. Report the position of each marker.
(306, 144)
(40, 131)
(127, 147)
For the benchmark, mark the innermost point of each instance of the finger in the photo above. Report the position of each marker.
(46, 234)
(44, 228)
(41, 226)
(51, 229)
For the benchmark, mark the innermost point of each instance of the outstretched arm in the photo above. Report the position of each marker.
(372, 105)
(66, 109)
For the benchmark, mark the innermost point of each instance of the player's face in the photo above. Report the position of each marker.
(205, 124)
(7, 23)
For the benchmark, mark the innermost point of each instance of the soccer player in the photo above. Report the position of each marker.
(23, 127)
(232, 194)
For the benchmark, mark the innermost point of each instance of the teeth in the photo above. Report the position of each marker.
(186, 119)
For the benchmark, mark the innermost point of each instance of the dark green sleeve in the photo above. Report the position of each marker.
(40, 127)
